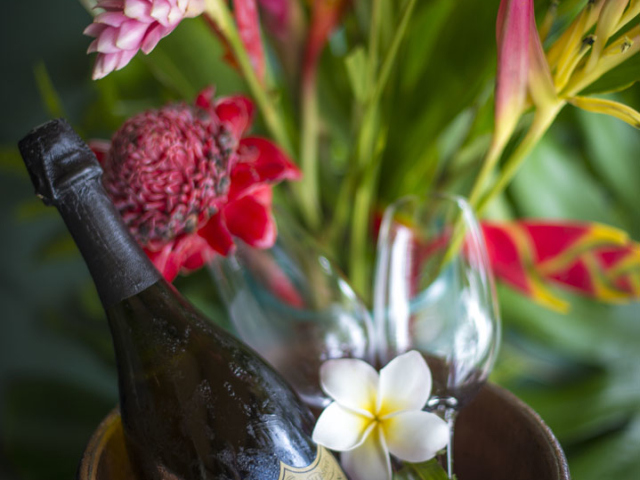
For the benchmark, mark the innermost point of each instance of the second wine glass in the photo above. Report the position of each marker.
(434, 293)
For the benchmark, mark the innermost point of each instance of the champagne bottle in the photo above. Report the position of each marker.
(196, 403)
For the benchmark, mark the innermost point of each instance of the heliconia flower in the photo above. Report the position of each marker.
(522, 66)
(186, 181)
(608, 107)
(610, 16)
(594, 260)
(127, 26)
(374, 414)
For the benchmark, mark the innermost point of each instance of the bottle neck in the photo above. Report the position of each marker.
(119, 267)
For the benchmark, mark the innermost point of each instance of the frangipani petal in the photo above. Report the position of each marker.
(405, 384)
(340, 429)
(369, 461)
(415, 436)
(352, 383)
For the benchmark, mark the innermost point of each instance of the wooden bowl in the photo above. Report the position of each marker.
(497, 437)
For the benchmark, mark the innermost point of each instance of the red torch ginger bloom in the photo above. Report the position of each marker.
(186, 181)
(127, 26)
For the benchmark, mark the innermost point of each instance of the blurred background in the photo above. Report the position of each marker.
(580, 371)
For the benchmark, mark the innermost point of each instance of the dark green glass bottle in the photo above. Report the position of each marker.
(196, 403)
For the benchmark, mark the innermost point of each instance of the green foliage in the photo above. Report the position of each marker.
(430, 470)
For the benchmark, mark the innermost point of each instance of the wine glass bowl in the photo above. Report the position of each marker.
(293, 306)
(434, 293)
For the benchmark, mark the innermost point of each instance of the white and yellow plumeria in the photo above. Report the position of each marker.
(376, 414)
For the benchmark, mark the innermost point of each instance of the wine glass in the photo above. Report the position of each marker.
(291, 305)
(434, 293)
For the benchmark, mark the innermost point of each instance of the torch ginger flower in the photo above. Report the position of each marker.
(377, 414)
(185, 181)
(127, 26)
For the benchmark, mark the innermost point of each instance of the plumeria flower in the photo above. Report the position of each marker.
(376, 414)
(186, 180)
(127, 26)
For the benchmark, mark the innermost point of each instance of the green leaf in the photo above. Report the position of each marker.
(554, 182)
(612, 457)
(356, 63)
(50, 97)
(11, 162)
(618, 79)
(430, 470)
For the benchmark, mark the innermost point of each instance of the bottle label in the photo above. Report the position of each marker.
(324, 467)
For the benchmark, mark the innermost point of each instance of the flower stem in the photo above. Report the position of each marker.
(307, 188)
(370, 143)
(219, 12)
(541, 123)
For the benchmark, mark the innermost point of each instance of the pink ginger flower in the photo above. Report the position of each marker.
(127, 26)
(186, 181)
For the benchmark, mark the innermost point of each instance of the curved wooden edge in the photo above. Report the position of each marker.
(109, 429)
(106, 458)
(554, 444)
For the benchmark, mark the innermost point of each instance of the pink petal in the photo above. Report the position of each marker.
(160, 11)
(113, 19)
(151, 39)
(130, 35)
(125, 57)
(105, 64)
(138, 9)
(93, 47)
(217, 235)
(94, 30)
(110, 4)
(236, 112)
(246, 13)
(251, 221)
(107, 41)
(513, 37)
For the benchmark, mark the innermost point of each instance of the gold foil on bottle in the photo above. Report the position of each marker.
(324, 467)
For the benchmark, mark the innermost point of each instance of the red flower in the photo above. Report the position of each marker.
(186, 181)
(594, 260)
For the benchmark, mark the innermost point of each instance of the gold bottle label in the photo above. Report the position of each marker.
(324, 467)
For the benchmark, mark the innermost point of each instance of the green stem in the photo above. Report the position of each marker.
(369, 146)
(492, 157)
(307, 188)
(541, 123)
(219, 12)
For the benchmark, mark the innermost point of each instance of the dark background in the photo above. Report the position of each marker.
(53, 389)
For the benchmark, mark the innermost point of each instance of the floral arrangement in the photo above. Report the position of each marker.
(531, 88)
(357, 104)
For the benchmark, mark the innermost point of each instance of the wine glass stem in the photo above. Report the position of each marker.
(450, 415)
